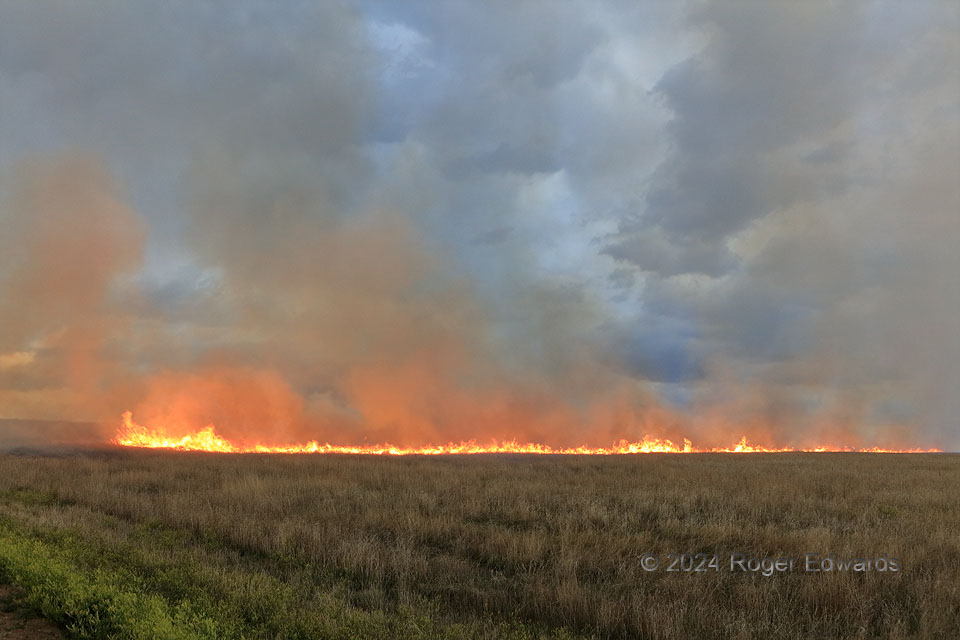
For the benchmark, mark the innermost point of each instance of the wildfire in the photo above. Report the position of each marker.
(206, 439)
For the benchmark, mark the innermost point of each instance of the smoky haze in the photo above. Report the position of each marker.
(364, 222)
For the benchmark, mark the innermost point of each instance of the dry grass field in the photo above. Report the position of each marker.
(137, 544)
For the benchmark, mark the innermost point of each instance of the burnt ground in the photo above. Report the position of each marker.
(18, 623)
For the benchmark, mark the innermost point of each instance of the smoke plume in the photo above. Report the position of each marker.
(367, 222)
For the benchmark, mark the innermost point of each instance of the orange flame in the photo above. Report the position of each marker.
(206, 439)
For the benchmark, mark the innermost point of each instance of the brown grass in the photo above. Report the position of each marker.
(545, 544)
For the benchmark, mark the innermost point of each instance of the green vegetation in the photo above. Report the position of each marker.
(162, 545)
(98, 604)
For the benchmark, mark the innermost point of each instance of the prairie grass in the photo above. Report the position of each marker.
(257, 546)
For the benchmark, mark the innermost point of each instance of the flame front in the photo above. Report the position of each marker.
(206, 439)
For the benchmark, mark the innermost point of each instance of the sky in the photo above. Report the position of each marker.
(418, 222)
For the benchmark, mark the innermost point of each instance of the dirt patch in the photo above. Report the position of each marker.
(18, 623)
